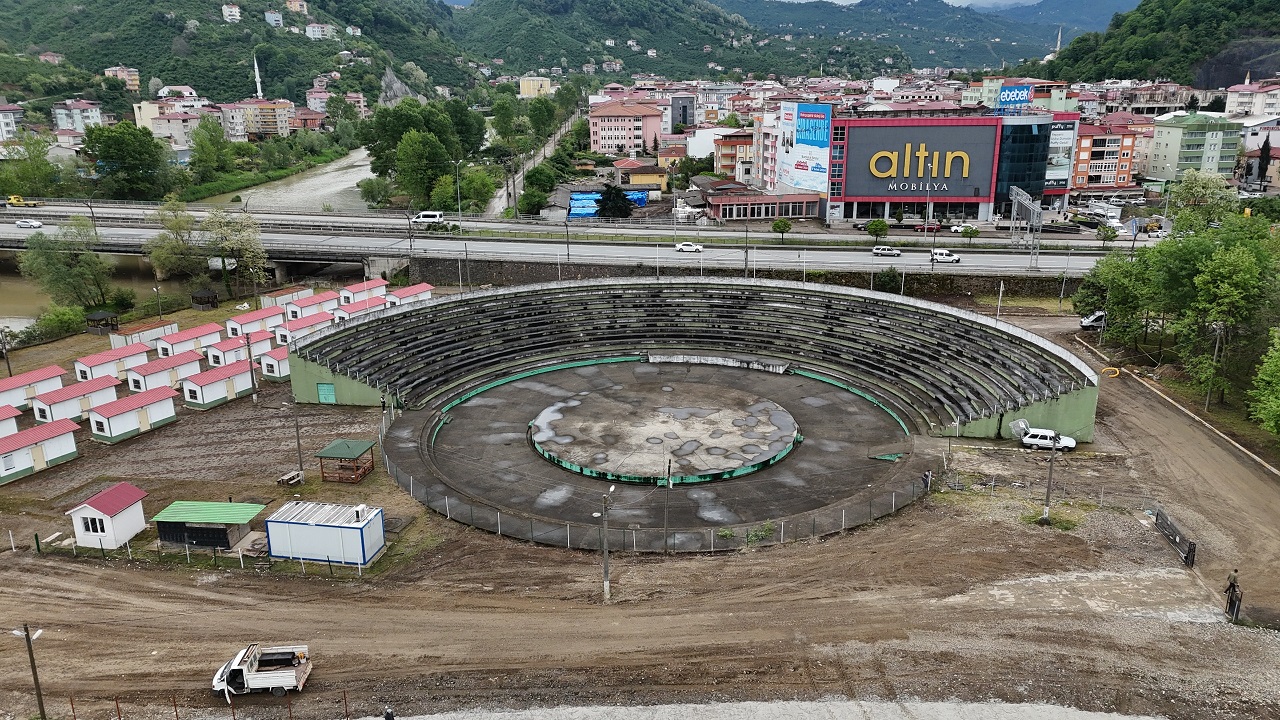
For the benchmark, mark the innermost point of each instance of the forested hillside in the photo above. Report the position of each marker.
(1075, 17)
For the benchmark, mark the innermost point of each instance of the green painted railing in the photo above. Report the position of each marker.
(855, 391)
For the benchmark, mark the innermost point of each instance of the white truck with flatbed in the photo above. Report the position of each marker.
(277, 669)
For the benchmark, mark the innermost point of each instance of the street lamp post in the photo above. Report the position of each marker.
(25, 632)
(928, 204)
(93, 218)
(604, 543)
(159, 306)
(566, 239)
(457, 184)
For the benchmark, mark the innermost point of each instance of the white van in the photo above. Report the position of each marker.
(941, 255)
(427, 217)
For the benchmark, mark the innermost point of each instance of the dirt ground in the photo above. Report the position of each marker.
(957, 597)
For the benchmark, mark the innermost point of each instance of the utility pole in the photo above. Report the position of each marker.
(35, 677)
(666, 510)
(1048, 486)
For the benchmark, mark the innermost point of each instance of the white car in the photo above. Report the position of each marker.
(886, 250)
(29, 224)
(938, 255)
(688, 247)
(960, 228)
(1041, 439)
(1158, 234)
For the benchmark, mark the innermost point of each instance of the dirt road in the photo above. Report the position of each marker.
(956, 598)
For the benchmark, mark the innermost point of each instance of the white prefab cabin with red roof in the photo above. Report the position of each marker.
(275, 364)
(284, 296)
(217, 386)
(146, 332)
(263, 319)
(133, 415)
(363, 291)
(19, 389)
(165, 372)
(8, 419)
(74, 402)
(301, 327)
(359, 307)
(234, 349)
(112, 362)
(196, 338)
(110, 518)
(32, 450)
(411, 294)
(320, 302)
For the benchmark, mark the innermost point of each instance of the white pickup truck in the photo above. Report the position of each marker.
(278, 669)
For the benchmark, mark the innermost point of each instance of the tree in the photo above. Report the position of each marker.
(468, 124)
(613, 202)
(338, 108)
(504, 115)
(731, 120)
(382, 133)
(153, 87)
(969, 232)
(541, 177)
(654, 148)
(375, 191)
(1106, 234)
(782, 226)
(1193, 103)
(878, 228)
(580, 134)
(29, 170)
(542, 115)
(1205, 194)
(1264, 158)
(344, 133)
(177, 250)
(532, 201)
(132, 163)
(236, 237)
(1265, 396)
(210, 151)
(420, 159)
(478, 187)
(65, 267)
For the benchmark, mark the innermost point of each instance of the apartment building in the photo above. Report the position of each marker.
(1193, 140)
(623, 126)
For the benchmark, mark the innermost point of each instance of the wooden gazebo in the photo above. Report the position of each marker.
(348, 461)
(102, 322)
(204, 299)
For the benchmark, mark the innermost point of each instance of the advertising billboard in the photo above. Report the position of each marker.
(804, 151)
(942, 161)
(1015, 96)
(1062, 146)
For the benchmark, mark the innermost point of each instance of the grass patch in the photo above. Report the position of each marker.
(1059, 520)
(1049, 304)
(244, 179)
(1231, 418)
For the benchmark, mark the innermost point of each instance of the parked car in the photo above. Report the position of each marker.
(932, 226)
(940, 255)
(960, 228)
(886, 250)
(1041, 439)
(1157, 234)
(1094, 320)
(29, 224)
(688, 247)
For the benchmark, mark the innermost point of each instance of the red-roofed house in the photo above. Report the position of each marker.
(363, 291)
(133, 415)
(8, 419)
(284, 296)
(112, 362)
(275, 364)
(301, 327)
(411, 294)
(194, 338)
(109, 519)
(234, 349)
(359, 307)
(19, 389)
(74, 401)
(30, 451)
(263, 319)
(175, 127)
(164, 372)
(326, 301)
(212, 388)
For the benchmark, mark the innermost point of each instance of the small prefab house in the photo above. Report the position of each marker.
(235, 349)
(133, 415)
(30, 451)
(297, 329)
(284, 296)
(74, 402)
(207, 524)
(263, 319)
(8, 420)
(411, 294)
(113, 362)
(347, 534)
(321, 302)
(359, 307)
(196, 338)
(146, 332)
(20, 389)
(219, 385)
(275, 364)
(110, 518)
(165, 372)
(363, 291)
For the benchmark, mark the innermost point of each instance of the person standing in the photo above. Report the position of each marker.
(1231, 582)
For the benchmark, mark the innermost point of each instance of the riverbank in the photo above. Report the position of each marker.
(241, 180)
(330, 187)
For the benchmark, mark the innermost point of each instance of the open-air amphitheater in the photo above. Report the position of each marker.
(724, 412)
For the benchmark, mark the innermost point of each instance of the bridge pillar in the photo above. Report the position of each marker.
(282, 274)
(376, 267)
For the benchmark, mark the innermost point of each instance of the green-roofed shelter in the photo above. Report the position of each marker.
(207, 524)
(349, 461)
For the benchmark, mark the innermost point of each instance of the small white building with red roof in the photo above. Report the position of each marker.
(326, 301)
(411, 294)
(212, 388)
(297, 329)
(235, 349)
(133, 415)
(196, 338)
(263, 319)
(113, 362)
(8, 420)
(359, 307)
(19, 389)
(164, 372)
(110, 518)
(32, 450)
(275, 364)
(74, 401)
(284, 296)
(362, 291)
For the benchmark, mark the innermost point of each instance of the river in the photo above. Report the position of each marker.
(21, 299)
(333, 184)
